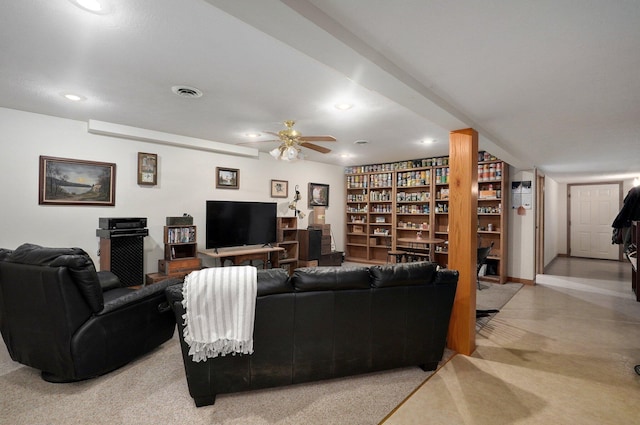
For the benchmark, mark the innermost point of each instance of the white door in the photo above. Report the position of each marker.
(593, 209)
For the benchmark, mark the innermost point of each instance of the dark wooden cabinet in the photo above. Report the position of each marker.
(310, 243)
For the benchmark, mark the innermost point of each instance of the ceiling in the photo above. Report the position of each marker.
(552, 84)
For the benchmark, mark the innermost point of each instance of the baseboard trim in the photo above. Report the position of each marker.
(523, 281)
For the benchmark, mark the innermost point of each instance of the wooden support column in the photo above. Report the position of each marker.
(463, 225)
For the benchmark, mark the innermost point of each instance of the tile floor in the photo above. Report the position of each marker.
(559, 352)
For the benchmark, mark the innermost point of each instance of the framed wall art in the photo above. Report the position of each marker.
(66, 181)
(227, 178)
(147, 168)
(279, 188)
(318, 195)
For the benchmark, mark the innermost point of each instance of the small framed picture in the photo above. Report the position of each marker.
(147, 168)
(318, 195)
(227, 178)
(279, 188)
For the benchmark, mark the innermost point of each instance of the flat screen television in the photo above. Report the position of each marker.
(238, 223)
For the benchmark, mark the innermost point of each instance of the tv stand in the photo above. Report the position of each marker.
(239, 255)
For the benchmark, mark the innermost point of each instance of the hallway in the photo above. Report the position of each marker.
(560, 352)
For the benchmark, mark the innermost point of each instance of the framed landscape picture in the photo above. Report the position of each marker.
(66, 181)
(279, 188)
(147, 169)
(227, 178)
(318, 195)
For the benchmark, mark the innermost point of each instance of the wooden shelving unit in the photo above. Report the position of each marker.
(287, 228)
(398, 200)
(180, 253)
(493, 191)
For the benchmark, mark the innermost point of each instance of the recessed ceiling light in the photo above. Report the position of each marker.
(93, 6)
(73, 97)
(428, 141)
(360, 142)
(343, 106)
(186, 91)
(253, 135)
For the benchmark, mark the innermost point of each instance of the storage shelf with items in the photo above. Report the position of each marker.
(413, 207)
(413, 196)
(180, 242)
(380, 219)
(180, 251)
(287, 238)
(380, 230)
(441, 210)
(492, 224)
(357, 216)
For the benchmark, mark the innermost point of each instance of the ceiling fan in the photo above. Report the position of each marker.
(291, 142)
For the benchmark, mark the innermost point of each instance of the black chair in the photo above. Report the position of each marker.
(58, 315)
(398, 254)
(483, 254)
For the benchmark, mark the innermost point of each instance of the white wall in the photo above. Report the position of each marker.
(185, 182)
(555, 213)
(521, 236)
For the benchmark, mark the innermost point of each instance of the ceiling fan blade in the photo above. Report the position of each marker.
(317, 148)
(317, 139)
(272, 133)
(255, 142)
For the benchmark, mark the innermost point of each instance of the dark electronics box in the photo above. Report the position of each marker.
(179, 221)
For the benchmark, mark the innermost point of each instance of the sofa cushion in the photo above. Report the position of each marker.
(270, 281)
(4, 253)
(387, 275)
(273, 281)
(330, 278)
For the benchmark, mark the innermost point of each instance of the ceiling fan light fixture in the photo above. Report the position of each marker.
(290, 154)
(291, 142)
(275, 153)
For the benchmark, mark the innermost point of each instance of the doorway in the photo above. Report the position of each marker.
(592, 209)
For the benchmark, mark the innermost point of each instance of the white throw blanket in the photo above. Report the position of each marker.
(220, 310)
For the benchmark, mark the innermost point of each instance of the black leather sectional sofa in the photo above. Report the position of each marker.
(329, 322)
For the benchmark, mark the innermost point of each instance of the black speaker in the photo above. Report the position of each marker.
(124, 256)
(310, 241)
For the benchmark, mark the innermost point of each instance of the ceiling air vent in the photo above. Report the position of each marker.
(186, 91)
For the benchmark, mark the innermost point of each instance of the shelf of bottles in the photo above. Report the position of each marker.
(400, 199)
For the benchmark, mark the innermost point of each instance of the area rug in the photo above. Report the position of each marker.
(493, 296)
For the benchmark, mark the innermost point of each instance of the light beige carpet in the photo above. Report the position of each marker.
(153, 390)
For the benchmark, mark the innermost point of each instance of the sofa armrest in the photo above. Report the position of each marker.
(130, 296)
(446, 276)
(108, 280)
(174, 293)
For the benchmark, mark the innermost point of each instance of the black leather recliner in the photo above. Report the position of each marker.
(58, 315)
